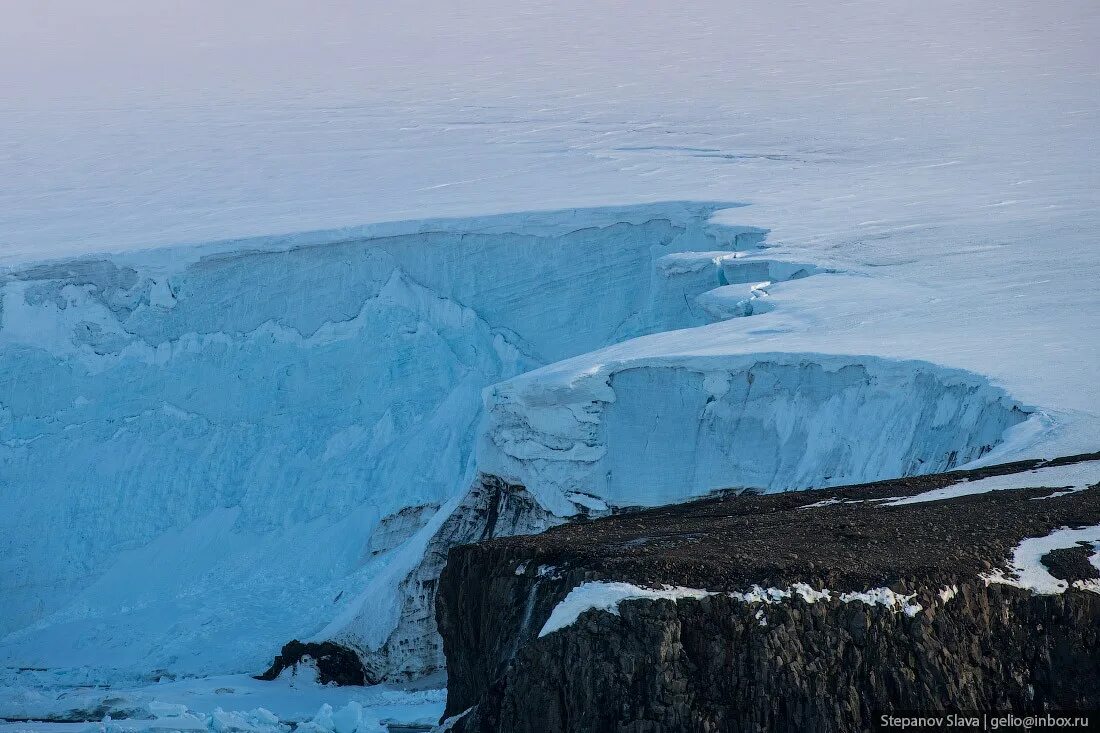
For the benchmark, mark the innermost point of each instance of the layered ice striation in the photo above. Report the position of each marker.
(654, 431)
(206, 452)
(197, 446)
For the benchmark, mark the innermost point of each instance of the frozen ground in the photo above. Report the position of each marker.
(928, 174)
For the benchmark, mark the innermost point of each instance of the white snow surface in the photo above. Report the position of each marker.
(198, 442)
(1074, 477)
(607, 595)
(221, 703)
(1027, 571)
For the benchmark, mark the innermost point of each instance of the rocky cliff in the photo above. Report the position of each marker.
(492, 508)
(811, 611)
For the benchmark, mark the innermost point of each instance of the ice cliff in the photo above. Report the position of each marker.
(651, 432)
(207, 452)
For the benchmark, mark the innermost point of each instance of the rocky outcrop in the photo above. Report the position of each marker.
(710, 665)
(335, 664)
(413, 650)
(492, 508)
(820, 610)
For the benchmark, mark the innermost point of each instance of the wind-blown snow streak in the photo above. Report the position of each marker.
(1074, 477)
(607, 597)
(204, 441)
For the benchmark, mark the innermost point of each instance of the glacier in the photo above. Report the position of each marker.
(195, 449)
(277, 430)
(655, 432)
(260, 440)
(242, 407)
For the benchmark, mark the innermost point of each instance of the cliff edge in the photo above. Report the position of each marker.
(816, 611)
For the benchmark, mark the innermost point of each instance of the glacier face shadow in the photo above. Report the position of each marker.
(208, 452)
(786, 422)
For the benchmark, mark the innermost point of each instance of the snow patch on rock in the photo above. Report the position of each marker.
(1074, 477)
(887, 598)
(1027, 571)
(606, 596)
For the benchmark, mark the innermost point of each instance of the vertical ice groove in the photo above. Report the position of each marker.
(312, 386)
(776, 422)
(270, 405)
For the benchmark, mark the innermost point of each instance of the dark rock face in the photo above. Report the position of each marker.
(492, 508)
(709, 665)
(1071, 563)
(484, 623)
(721, 664)
(413, 650)
(335, 664)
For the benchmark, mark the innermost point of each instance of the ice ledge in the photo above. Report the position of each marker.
(773, 421)
(541, 223)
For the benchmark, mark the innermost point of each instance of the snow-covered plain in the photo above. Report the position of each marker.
(197, 444)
